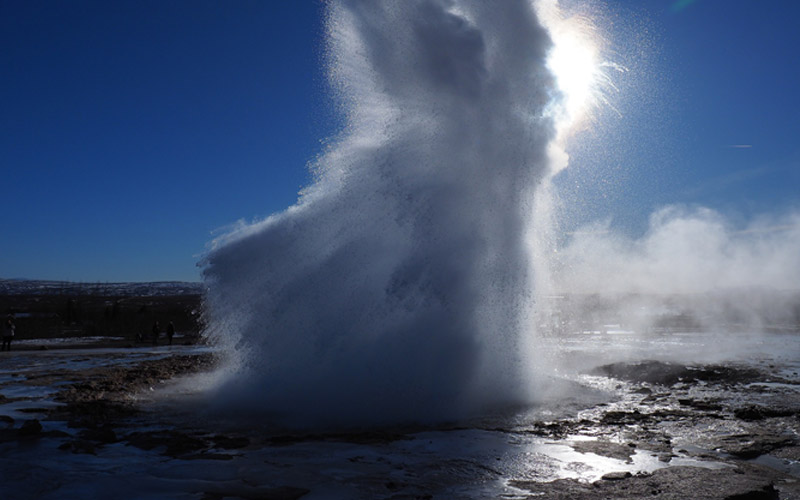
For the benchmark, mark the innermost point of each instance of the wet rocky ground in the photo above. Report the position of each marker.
(667, 430)
(742, 421)
(97, 402)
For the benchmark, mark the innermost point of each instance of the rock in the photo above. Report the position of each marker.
(756, 412)
(104, 435)
(207, 456)
(748, 446)
(30, 428)
(616, 476)
(606, 449)
(616, 417)
(96, 412)
(651, 372)
(671, 483)
(279, 493)
(176, 443)
(230, 443)
(700, 404)
(115, 384)
(669, 374)
(768, 492)
(79, 446)
(557, 429)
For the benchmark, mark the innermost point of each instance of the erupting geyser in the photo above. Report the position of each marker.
(400, 286)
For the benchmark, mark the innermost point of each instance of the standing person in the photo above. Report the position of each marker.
(156, 333)
(170, 332)
(8, 333)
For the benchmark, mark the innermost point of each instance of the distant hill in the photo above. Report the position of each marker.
(131, 289)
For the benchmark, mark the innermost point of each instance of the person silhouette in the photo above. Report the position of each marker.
(170, 332)
(8, 333)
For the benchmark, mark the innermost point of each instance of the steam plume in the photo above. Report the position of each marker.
(398, 287)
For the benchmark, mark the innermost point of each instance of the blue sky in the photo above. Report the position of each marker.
(133, 130)
(706, 75)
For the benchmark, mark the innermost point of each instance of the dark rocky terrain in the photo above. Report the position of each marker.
(742, 421)
(673, 430)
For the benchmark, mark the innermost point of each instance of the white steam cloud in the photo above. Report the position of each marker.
(685, 250)
(692, 271)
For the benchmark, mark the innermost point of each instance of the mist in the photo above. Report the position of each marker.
(693, 270)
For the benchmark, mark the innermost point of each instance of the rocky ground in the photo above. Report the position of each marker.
(97, 401)
(743, 418)
(741, 422)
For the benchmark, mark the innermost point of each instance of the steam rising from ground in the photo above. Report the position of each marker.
(399, 287)
(685, 251)
(693, 269)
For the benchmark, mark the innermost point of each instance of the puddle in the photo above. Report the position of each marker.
(785, 465)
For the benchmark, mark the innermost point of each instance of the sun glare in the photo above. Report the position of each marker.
(576, 63)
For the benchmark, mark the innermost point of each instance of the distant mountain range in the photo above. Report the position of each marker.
(143, 289)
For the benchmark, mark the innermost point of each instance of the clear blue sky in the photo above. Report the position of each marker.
(132, 130)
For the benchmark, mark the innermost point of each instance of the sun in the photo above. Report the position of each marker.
(575, 60)
(575, 63)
